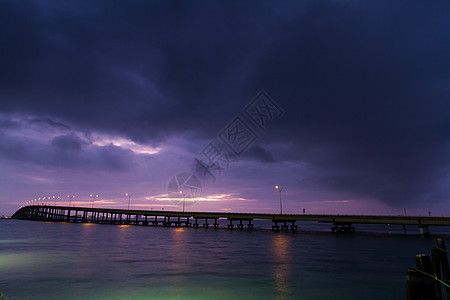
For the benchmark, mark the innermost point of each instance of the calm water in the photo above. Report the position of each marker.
(74, 261)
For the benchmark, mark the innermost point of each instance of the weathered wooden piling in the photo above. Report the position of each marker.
(414, 284)
(444, 263)
(424, 282)
(436, 260)
(424, 266)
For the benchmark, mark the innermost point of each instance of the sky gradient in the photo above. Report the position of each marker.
(109, 98)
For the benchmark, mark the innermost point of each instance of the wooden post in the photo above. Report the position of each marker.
(423, 264)
(436, 260)
(444, 263)
(414, 284)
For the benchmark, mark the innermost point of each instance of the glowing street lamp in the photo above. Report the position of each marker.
(93, 198)
(280, 189)
(129, 198)
(70, 199)
(184, 198)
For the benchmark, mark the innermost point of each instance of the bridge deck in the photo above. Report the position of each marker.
(124, 216)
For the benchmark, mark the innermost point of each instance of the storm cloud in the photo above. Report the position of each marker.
(364, 85)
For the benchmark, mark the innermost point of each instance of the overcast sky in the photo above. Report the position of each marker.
(344, 104)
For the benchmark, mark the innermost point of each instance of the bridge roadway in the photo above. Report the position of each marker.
(340, 223)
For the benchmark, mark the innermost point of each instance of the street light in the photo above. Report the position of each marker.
(93, 198)
(129, 198)
(70, 199)
(280, 189)
(184, 198)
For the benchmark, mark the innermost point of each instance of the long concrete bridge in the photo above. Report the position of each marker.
(340, 223)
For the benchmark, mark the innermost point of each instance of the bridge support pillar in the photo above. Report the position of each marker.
(285, 226)
(216, 224)
(293, 226)
(424, 230)
(240, 225)
(250, 225)
(275, 227)
(343, 227)
(231, 225)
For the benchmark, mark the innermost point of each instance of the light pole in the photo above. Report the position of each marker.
(280, 189)
(129, 198)
(184, 198)
(70, 199)
(93, 198)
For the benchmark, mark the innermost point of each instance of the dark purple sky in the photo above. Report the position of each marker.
(118, 97)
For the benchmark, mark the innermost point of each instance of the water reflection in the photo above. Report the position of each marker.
(122, 238)
(178, 260)
(87, 235)
(281, 264)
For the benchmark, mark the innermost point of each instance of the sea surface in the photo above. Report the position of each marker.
(63, 261)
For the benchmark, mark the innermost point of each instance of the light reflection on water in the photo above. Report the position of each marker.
(281, 264)
(73, 261)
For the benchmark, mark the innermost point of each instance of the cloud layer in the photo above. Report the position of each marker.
(364, 86)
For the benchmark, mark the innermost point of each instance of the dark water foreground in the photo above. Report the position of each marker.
(80, 261)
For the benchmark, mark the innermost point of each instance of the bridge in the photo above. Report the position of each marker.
(339, 223)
